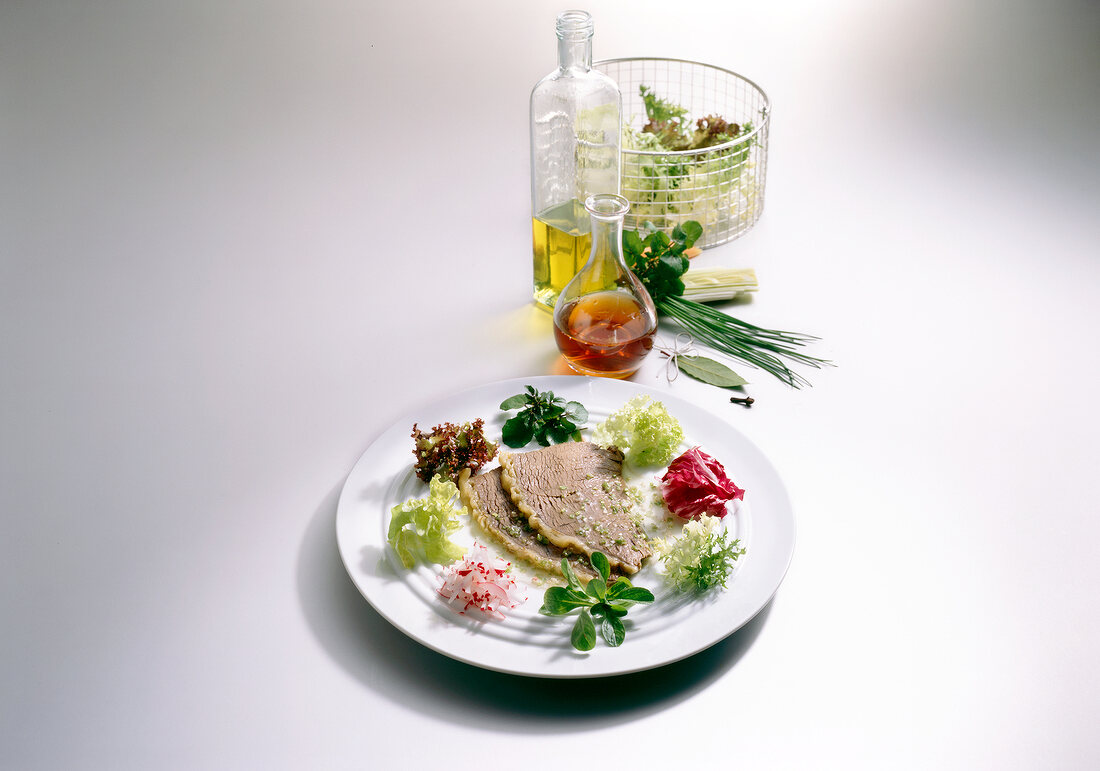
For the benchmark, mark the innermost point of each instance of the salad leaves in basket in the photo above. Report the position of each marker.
(675, 168)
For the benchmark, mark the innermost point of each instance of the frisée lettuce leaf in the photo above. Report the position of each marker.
(643, 429)
(702, 557)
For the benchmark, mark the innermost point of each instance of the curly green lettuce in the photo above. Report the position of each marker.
(420, 527)
(644, 430)
(703, 556)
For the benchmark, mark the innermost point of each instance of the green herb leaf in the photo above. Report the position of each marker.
(658, 242)
(687, 233)
(599, 561)
(635, 594)
(557, 601)
(561, 430)
(633, 246)
(542, 435)
(576, 412)
(618, 588)
(709, 371)
(596, 589)
(514, 402)
(584, 632)
(612, 630)
(675, 265)
(517, 431)
(571, 577)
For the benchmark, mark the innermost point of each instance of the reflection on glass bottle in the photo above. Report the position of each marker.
(575, 124)
(604, 319)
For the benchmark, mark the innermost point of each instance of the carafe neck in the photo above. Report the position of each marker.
(607, 240)
(606, 266)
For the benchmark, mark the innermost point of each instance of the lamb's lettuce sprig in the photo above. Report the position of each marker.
(596, 600)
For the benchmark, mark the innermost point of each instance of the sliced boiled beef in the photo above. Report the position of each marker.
(574, 495)
(493, 509)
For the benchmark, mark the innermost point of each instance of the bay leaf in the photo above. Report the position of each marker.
(709, 371)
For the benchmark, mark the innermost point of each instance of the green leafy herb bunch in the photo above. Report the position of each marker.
(543, 417)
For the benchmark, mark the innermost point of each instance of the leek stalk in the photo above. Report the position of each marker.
(705, 285)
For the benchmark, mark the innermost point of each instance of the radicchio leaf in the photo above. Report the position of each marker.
(696, 484)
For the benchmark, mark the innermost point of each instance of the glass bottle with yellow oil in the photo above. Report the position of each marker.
(576, 115)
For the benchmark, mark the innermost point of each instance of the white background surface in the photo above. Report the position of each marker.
(237, 239)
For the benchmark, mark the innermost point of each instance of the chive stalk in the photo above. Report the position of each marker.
(768, 349)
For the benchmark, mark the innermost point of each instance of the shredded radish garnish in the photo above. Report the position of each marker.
(481, 582)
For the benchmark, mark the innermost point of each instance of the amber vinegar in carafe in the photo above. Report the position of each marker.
(606, 333)
(604, 319)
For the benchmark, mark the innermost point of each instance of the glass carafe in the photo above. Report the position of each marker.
(575, 123)
(604, 319)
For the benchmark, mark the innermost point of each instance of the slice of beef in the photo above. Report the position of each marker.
(574, 495)
(493, 509)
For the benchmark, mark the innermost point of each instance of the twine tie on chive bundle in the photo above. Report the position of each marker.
(683, 345)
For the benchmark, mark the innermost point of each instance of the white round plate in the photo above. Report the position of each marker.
(675, 626)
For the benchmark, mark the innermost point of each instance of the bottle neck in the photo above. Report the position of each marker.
(575, 54)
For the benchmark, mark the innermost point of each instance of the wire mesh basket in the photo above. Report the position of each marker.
(722, 186)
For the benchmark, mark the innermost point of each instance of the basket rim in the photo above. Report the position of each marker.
(725, 145)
